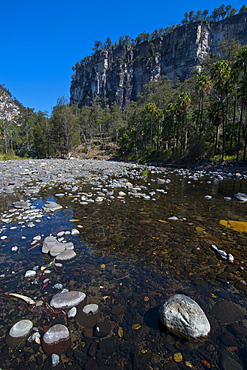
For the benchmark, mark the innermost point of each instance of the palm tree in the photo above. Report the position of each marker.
(203, 86)
(183, 104)
(221, 73)
(240, 68)
(243, 99)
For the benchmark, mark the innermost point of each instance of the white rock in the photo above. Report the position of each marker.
(30, 273)
(21, 329)
(121, 194)
(173, 218)
(208, 197)
(58, 286)
(230, 258)
(185, 316)
(90, 308)
(48, 243)
(72, 312)
(61, 233)
(67, 299)
(68, 254)
(54, 360)
(57, 249)
(46, 272)
(75, 232)
(55, 334)
(14, 249)
(57, 264)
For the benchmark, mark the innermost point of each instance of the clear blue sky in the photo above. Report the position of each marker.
(42, 39)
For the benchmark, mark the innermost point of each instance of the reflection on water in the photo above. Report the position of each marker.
(130, 259)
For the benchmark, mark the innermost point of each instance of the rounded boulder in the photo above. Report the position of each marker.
(56, 340)
(67, 300)
(184, 317)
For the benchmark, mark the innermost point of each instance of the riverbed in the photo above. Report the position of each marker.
(143, 234)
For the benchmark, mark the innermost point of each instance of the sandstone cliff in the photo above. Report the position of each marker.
(9, 111)
(118, 74)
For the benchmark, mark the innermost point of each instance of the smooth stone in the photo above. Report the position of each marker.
(228, 312)
(238, 330)
(89, 315)
(68, 254)
(102, 329)
(21, 329)
(57, 249)
(30, 273)
(72, 312)
(68, 299)
(184, 316)
(228, 363)
(19, 333)
(54, 360)
(75, 232)
(48, 243)
(173, 218)
(88, 333)
(91, 308)
(107, 346)
(56, 340)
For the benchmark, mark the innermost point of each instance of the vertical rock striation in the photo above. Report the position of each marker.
(118, 74)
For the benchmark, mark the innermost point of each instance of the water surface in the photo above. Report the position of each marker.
(130, 259)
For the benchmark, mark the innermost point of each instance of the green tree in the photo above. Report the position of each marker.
(183, 104)
(221, 73)
(63, 130)
(203, 86)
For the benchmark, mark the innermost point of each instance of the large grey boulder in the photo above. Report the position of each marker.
(185, 317)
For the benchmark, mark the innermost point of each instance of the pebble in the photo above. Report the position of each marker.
(30, 273)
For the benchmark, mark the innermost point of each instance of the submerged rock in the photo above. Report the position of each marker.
(19, 333)
(89, 315)
(185, 317)
(68, 299)
(56, 340)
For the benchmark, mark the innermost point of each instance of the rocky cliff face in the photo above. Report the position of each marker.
(119, 74)
(9, 111)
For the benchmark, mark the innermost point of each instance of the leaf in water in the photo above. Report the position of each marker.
(232, 349)
(240, 226)
(74, 220)
(162, 221)
(120, 332)
(188, 364)
(213, 295)
(206, 363)
(105, 297)
(199, 229)
(136, 326)
(102, 266)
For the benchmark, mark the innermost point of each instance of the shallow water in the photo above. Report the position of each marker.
(130, 259)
